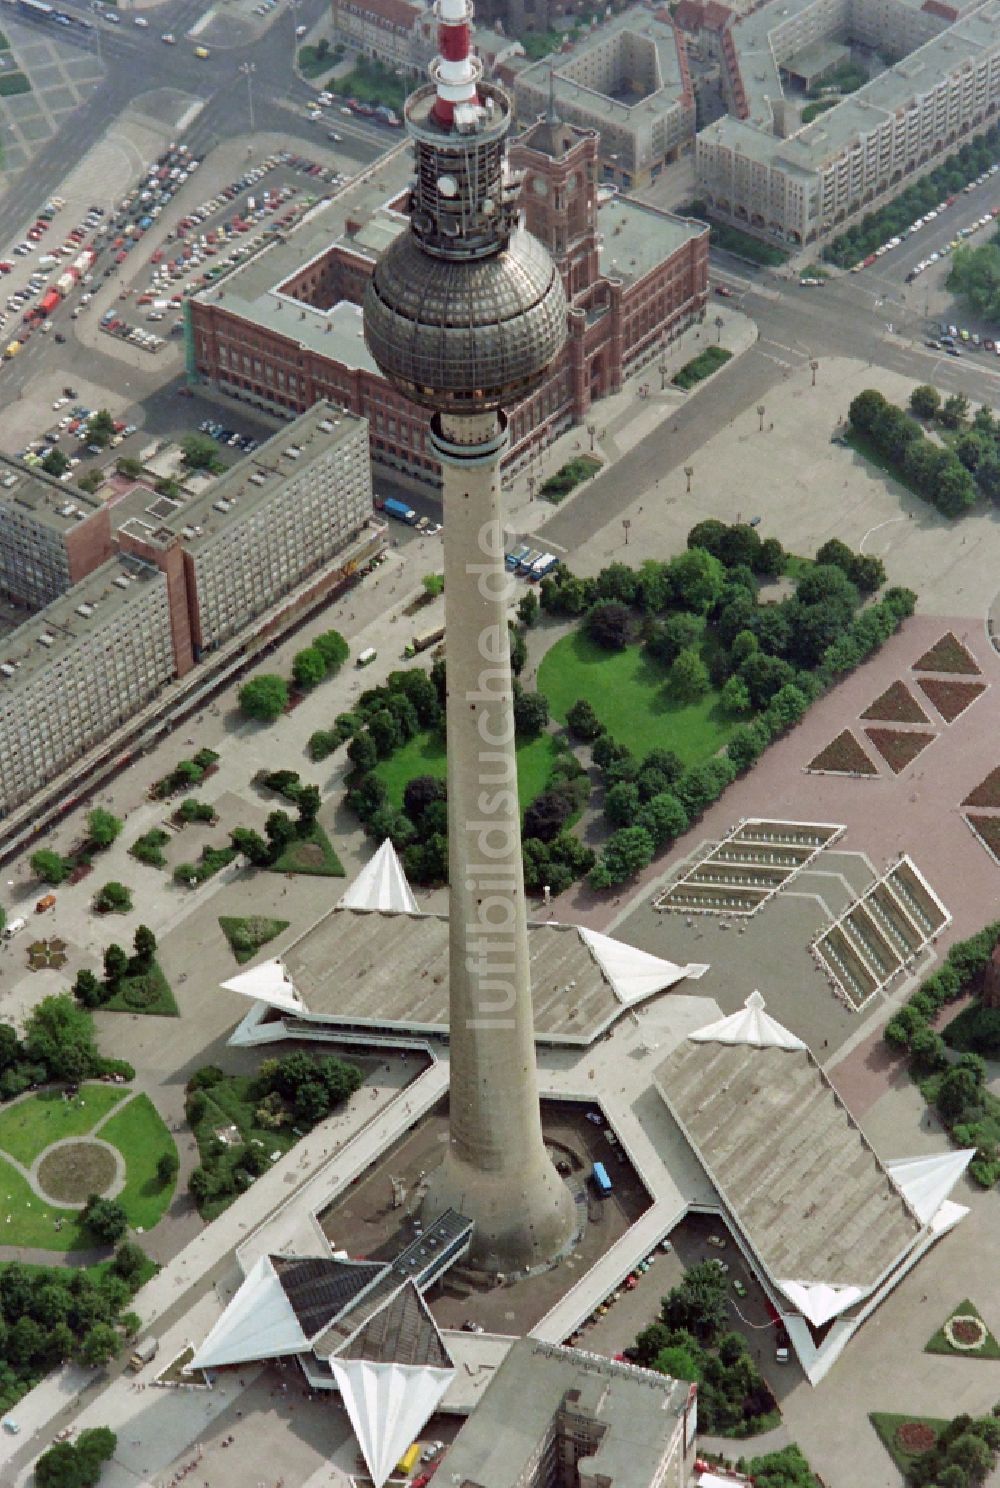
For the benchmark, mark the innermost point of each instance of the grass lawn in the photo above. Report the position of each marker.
(628, 692)
(146, 992)
(312, 853)
(141, 1136)
(28, 1127)
(12, 83)
(886, 1425)
(228, 1104)
(247, 935)
(424, 754)
(25, 1219)
(940, 1345)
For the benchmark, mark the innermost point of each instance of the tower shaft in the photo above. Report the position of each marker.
(496, 1170)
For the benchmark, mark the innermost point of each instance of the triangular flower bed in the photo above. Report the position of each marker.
(987, 792)
(897, 747)
(948, 655)
(950, 698)
(896, 705)
(843, 756)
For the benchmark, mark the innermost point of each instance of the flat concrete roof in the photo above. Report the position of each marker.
(50, 502)
(789, 1162)
(253, 289)
(87, 606)
(391, 971)
(248, 484)
(570, 91)
(635, 238)
(635, 1413)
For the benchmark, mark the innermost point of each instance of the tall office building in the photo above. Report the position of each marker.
(464, 314)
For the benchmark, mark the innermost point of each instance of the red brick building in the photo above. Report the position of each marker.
(635, 277)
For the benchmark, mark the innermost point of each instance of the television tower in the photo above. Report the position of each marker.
(465, 314)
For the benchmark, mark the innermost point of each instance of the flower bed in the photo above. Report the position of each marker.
(987, 829)
(896, 705)
(987, 792)
(964, 1333)
(915, 1437)
(947, 655)
(897, 748)
(843, 756)
(950, 698)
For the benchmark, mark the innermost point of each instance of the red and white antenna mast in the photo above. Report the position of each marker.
(455, 70)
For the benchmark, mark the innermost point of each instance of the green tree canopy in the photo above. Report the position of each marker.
(102, 827)
(264, 697)
(308, 667)
(48, 866)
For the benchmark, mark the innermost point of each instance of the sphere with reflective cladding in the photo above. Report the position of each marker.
(465, 335)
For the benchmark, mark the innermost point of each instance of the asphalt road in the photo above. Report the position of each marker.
(138, 62)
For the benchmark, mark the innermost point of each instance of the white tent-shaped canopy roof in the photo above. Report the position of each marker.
(388, 1406)
(819, 1302)
(269, 982)
(925, 1182)
(749, 1026)
(634, 974)
(381, 885)
(258, 1324)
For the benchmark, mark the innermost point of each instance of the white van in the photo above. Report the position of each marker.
(12, 928)
(366, 657)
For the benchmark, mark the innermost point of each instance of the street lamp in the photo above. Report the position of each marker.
(592, 431)
(663, 374)
(531, 487)
(626, 523)
(761, 410)
(248, 69)
(689, 471)
(814, 368)
(719, 322)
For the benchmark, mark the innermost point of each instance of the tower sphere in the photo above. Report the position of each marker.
(465, 312)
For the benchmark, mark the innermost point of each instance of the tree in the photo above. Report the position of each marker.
(129, 1262)
(669, 637)
(48, 866)
(280, 831)
(362, 753)
(531, 713)
(518, 650)
(101, 428)
(333, 648)
(582, 722)
(128, 467)
(59, 1467)
(60, 1035)
(105, 1218)
(528, 608)
(308, 667)
(420, 792)
(699, 1303)
(115, 965)
(113, 898)
(200, 452)
(308, 804)
(679, 1362)
(925, 401)
(87, 989)
(610, 624)
(626, 853)
(433, 585)
(954, 410)
(264, 697)
(55, 463)
(735, 696)
(99, 1345)
(866, 409)
(384, 732)
(94, 1446)
(144, 945)
(251, 845)
(664, 818)
(696, 578)
(955, 489)
(689, 678)
(770, 560)
(621, 804)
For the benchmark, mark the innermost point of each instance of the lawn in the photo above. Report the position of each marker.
(939, 1343)
(886, 1425)
(141, 1136)
(28, 1127)
(146, 992)
(25, 1219)
(424, 754)
(311, 853)
(247, 935)
(628, 692)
